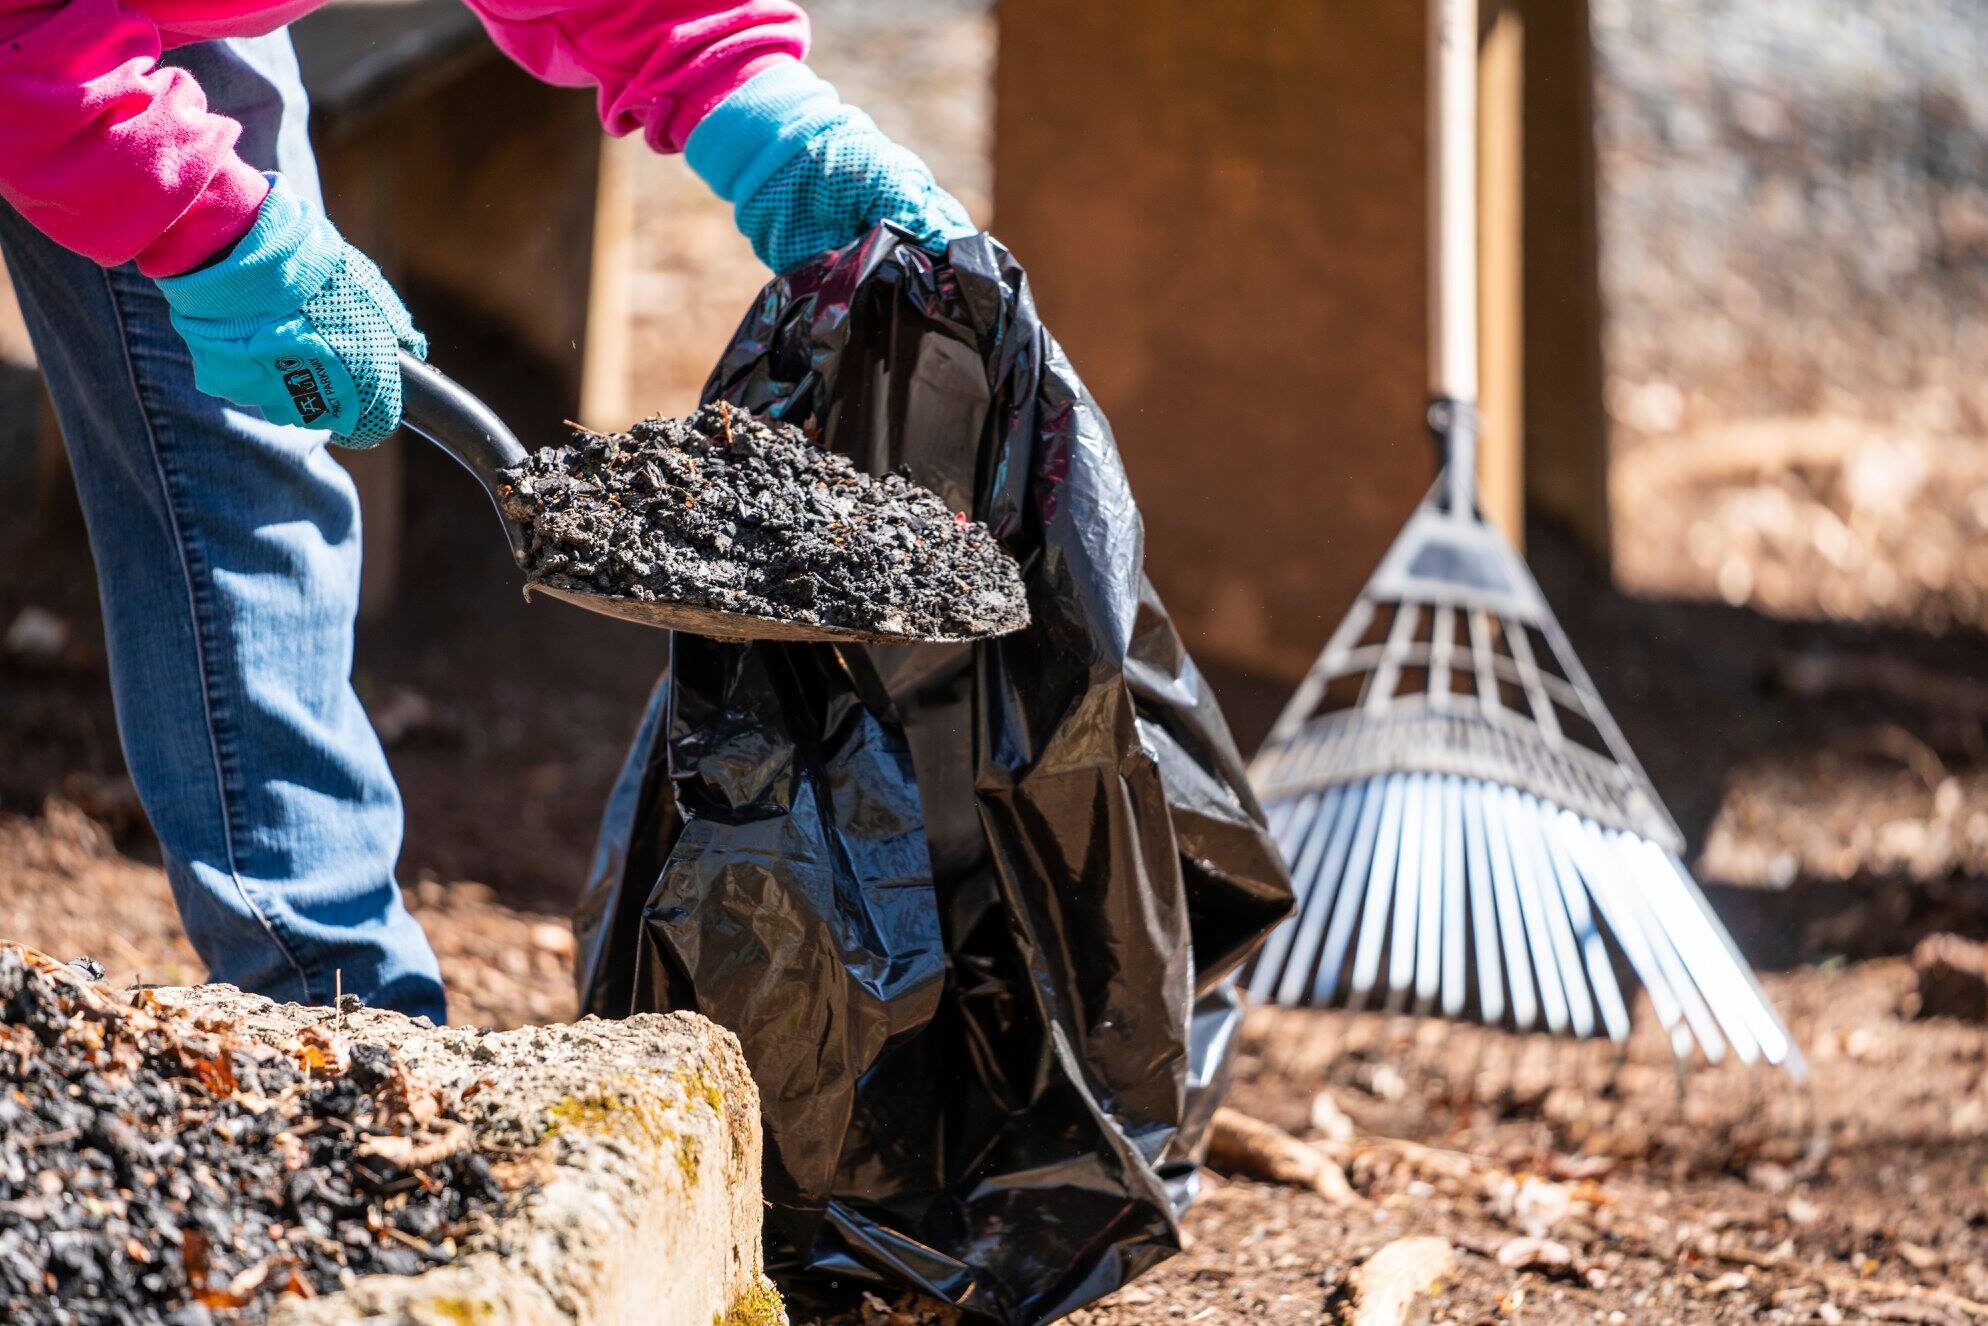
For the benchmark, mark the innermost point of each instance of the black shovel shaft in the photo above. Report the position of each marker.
(447, 414)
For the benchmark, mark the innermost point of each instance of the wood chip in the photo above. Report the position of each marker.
(1250, 1148)
(1535, 1254)
(1386, 1285)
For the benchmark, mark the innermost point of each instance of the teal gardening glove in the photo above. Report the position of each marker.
(297, 323)
(806, 173)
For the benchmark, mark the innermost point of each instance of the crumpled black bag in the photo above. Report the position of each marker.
(969, 909)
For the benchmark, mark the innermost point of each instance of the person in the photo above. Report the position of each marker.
(204, 331)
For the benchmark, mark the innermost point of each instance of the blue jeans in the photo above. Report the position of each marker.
(227, 552)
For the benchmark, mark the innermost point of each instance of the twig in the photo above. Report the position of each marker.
(425, 1249)
(55, 1138)
(1894, 742)
(1239, 1144)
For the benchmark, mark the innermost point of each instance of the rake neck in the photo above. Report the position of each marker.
(1453, 245)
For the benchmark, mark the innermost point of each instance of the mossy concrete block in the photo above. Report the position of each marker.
(645, 1134)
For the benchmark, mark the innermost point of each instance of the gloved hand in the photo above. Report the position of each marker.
(806, 173)
(297, 323)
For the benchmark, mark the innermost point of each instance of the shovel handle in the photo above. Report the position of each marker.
(449, 415)
(1453, 246)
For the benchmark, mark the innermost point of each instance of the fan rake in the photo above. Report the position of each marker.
(1467, 829)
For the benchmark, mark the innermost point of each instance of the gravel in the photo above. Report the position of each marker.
(157, 1168)
(728, 512)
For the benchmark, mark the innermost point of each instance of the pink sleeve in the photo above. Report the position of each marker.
(105, 152)
(660, 65)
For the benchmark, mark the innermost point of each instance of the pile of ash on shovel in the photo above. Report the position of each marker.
(729, 512)
(161, 1169)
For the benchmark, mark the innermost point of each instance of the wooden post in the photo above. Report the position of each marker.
(1566, 424)
(605, 388)
(1221, 210)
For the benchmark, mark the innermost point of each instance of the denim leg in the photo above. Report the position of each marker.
(227, 552)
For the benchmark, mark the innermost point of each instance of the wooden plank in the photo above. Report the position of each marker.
(605, 386)
(1501, 269)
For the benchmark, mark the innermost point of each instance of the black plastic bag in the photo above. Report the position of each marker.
(969, 909)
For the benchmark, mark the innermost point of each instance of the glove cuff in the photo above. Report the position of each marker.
(285, 258)
(755, 131)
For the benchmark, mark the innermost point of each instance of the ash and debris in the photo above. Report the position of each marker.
(157, 1167)
(733, 513)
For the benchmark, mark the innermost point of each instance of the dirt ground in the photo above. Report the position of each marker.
(1793, 644)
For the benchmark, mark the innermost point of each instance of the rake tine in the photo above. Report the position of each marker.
(1456, 992)
(1326, 882)
(1505, 830)
(1301, 825)
(1287, 950)
(1484, 928)
(1380, 881)
(1287, 821)
(1622, 853)
(1408, 873)
(1511, 922)
(1583, 840)
(1430, 895)
(1601, 974)
(1703, 962)
(1436, 866)
(1359, 877)
(1279, 817)
(1704, 955)
(1573, 980)
(1775, 1041)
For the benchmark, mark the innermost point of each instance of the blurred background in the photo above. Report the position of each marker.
(1735, 288)
(1736, 307)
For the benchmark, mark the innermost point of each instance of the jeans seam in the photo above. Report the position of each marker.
(200, 648)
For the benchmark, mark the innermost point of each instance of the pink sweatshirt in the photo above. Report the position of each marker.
(117, 158)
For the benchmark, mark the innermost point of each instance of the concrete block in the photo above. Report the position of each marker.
(648, 1208)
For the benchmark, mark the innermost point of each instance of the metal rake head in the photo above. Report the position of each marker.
(1468, 831)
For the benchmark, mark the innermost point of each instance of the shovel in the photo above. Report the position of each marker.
(449, 415)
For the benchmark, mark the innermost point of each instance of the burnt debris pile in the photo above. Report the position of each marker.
(728, 512)
(158, 1168)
